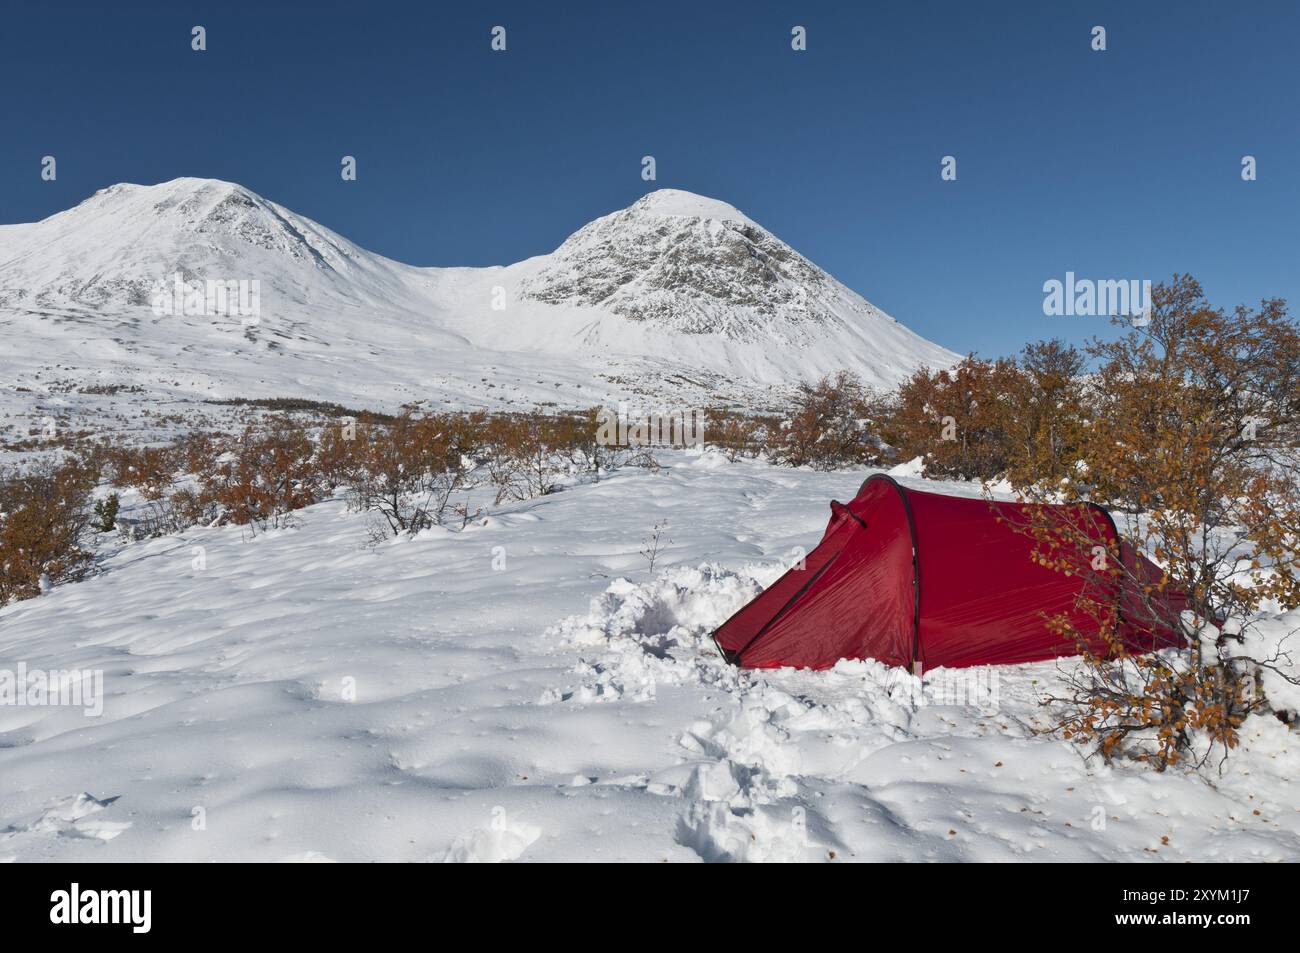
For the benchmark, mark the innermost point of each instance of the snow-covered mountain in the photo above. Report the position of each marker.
(112, 248)
(689, 264)
(678, 298)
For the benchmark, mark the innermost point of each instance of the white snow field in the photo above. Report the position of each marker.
(299, 696)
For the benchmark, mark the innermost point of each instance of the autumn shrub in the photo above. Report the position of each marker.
(267, 473)
(342, 451)
(408, 472)
(1192, 446)
(150, 470)
(44, 518)
(536, 445)
(196, 451)
(192, 508)
(578, 448)
(740, 435)
(957, 420)
(829, 425)
(1046, 413)
(525, 454)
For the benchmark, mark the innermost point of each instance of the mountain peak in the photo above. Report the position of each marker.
(190, 203)
(687, 263)
(178, 188)
(115, 246)
(679, 203)
(186, 183)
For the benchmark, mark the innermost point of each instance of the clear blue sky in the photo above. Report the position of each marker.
(1117, 164)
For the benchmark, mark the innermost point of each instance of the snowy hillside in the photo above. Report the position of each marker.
(678, 299)
(527, 689)
(114, 246)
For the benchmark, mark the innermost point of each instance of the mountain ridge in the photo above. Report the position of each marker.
(678, 297)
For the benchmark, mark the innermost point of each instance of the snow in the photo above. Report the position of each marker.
(689, 205)
(910, 468)
(305, 697)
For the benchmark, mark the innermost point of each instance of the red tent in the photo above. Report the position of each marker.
(911, 577)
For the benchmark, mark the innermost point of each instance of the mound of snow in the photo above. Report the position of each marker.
(913, 468)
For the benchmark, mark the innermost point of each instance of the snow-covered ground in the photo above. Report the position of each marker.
(528, 689)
